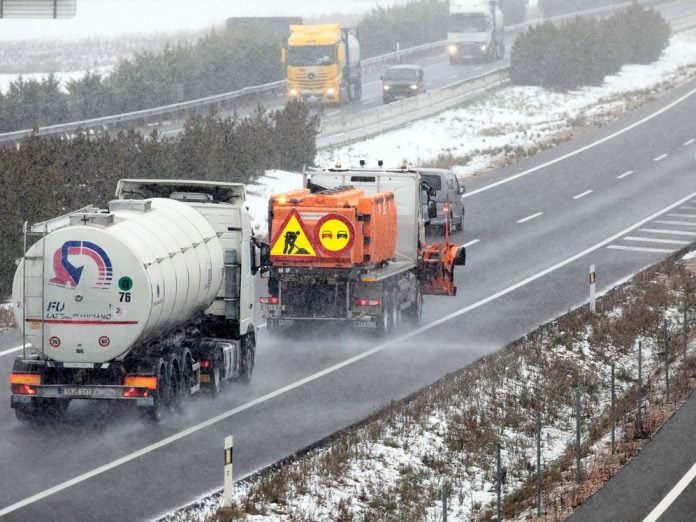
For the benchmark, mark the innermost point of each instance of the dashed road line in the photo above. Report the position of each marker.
(627, 173)
(669, 232)
(660, 157)
(529, 218)
(11, 350)
(687, 143)
(686, 207)
(656, 240)
(682, 215)
(679, 223)
(472, 242)
(673, 494)
(583, 194)
(641, 249)
(365, 102)
(332, 113)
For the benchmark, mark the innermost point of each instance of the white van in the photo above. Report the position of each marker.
(447, 190)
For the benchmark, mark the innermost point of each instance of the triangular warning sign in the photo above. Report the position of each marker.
(292, 240)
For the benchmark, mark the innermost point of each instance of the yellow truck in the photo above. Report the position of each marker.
(323, 64)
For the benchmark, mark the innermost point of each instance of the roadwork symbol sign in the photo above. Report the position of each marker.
(292, 241)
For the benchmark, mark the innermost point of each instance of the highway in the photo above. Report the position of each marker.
(533, 230)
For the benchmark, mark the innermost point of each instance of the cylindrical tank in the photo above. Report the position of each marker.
(111, 279)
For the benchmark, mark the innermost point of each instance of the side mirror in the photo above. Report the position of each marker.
(432, 209)
(460, 260)
(261, 257)
(283, 55)
(462, 189)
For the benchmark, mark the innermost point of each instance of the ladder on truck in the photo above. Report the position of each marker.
(33, 285)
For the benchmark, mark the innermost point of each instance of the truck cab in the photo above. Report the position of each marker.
(475, 31)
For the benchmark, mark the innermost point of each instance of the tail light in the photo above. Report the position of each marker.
(140, 381)
(445, 208)
(24, 383)
(368, 302)
(136, 392)
(269, 300)
(205, 364)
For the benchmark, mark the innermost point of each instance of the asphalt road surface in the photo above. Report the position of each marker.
(533, 231)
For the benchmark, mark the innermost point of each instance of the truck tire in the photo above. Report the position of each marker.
(395, 310)
(248, 357)
(384, 321)
(156, 411)
(415, 311)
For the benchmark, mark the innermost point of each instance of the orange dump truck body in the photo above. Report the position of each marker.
(341, 227)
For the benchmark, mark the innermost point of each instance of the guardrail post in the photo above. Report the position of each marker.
(227, 492)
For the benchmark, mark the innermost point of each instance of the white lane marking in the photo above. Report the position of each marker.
(585, 148)
(11, 350)
(583, 194)
(675, 214)
(680, 223)
(673, 494)
(660, 157)
(687, 207)
(529, 218)
(365, 102)
(627, 173)
(332, 113)
(687, 143)
(669, 232)
(640, 249)
(331, 369)
(656, 240)
(472, 242)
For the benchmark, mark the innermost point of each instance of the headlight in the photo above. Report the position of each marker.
(386, 87)
(484, 47)
(414, 87)
(330, 91)
(293, 92)
(452, 49)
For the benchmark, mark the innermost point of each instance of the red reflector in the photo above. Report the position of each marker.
(269, 300)
(368, 302)
(135, 392)
(205, 364)
(23, 389)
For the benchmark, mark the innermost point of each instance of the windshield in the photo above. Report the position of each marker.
(468, 23)
(311, 55)
(401, 74)
(434, 181)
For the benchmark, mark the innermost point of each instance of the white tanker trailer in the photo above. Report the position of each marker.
(149, 300)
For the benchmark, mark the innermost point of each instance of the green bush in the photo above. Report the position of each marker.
(44, 178)
(585, 50)
(412, 24)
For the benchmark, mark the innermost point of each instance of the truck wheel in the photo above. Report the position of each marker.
(415, 311)
(155, 411)
(185, 383)
(248, 357)
(384, 320)
(395, 310)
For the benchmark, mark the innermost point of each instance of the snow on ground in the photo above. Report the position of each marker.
(513, 118)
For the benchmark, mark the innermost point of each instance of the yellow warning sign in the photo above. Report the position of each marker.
(292, 240)
(335, 234)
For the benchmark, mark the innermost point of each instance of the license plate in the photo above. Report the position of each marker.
(205, 378)
(90, 392)
(285, 322)
(272, 307)
(367, 324)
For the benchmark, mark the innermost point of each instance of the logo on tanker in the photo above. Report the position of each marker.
(67, 274)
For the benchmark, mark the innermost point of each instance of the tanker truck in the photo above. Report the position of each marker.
(323, 64)
(146, 301)
(349, 249)
(475, 31)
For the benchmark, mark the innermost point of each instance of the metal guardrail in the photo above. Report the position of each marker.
(255, 90)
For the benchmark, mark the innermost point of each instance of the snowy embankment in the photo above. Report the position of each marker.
(409, 452)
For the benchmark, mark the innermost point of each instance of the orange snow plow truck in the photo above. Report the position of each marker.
(350, 248)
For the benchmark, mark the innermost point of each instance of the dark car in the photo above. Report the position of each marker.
(402, 81)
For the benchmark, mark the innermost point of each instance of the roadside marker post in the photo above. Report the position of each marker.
(227, 492)
(593, 284)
